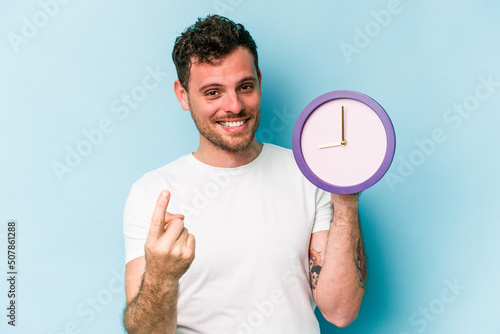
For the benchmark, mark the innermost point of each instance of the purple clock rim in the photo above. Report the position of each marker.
(386, 122)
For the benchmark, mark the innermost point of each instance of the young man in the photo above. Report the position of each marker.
(254, 215)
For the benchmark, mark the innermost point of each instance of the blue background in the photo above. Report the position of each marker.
(430, 226)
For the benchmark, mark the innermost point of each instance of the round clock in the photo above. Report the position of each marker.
(343, 142)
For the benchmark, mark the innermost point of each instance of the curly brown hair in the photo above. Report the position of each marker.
(209, 39)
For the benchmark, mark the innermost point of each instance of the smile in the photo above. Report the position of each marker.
(232, 124)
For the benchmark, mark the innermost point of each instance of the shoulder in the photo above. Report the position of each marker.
(280, 164)
(150, 184)
(282, 158)
(278, 149)
(274, 152)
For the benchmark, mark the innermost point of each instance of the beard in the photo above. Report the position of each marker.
(231, 142)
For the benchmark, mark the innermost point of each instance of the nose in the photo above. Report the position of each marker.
(233, 103)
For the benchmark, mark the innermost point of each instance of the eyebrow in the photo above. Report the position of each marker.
(214, 85)
(210, 85)
(249, 78)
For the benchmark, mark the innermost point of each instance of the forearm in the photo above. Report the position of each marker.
(341, 284)
(154, 308)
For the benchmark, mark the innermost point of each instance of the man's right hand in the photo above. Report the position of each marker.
(169, 247)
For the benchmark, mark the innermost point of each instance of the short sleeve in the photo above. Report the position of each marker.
(136, 220)
(323, 211)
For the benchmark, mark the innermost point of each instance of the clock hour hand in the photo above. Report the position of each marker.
(330, 145)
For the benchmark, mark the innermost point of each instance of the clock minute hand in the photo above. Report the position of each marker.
(343, 142)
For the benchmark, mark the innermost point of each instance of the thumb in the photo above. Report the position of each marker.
(170, 216)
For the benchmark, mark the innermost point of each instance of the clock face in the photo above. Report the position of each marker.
(343, 142)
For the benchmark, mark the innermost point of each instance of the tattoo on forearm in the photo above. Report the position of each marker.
(315, 266)
(360, 262)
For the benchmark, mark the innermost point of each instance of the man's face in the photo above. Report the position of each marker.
(224, 100)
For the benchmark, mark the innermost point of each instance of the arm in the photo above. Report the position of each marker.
(151, 304)
(337, 263)
(152, 282)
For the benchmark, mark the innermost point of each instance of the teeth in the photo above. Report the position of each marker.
(232, 124)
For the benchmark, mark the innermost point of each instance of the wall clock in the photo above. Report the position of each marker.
(343, 142)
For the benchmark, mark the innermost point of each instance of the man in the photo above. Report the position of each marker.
(254, 215)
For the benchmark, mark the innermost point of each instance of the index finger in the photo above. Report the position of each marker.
(158, 218)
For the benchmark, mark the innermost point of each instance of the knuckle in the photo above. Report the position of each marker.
(188, 253)
(176, 252)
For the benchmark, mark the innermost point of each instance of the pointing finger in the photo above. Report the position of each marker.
(158, 218)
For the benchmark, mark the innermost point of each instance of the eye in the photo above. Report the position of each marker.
(246, 87)
(212, 93)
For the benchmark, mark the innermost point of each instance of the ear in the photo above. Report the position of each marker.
(259, 76)
(181, 94)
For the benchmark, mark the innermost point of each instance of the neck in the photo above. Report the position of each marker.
(217, 157)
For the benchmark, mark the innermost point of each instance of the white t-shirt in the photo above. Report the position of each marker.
(252, 226)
